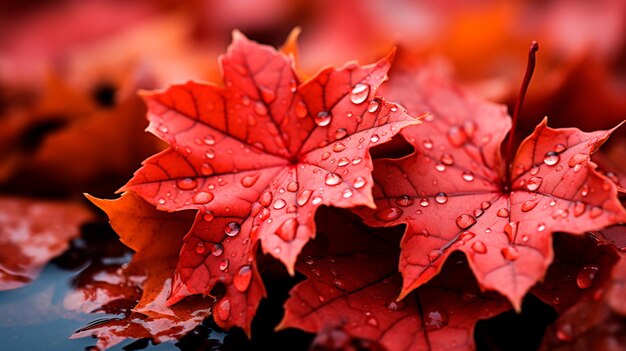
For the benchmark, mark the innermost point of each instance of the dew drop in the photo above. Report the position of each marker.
(260, 109)
(279, 203)
(325, 155)
(317, 200)
(586, 276)
(332, 179)
(440, 167)
(242, 279)
(565, 332)
(424, 202)
(529, 205)
(266, 199)
(541, 227)
(441, 198)
(388, 214)
(404, 201)
(394, 305)
(208, 216)
(467, 235)
(223, 309)
(559, 148)
(456, 136)
(465, 221)
(595, 212)
(434, 254)
(292, 187)
(224, 265)
(341, 133)
(479, 247)
(359, 93)
(217, 249)
(551, 158)
(374, 138)
(250, 180)
(485, 205)
(186, 183)
(510, 229)
(287, 230)
(303, 197)
(373, 106)
(203, 197)
(161, 201)
(577, 160)
(206, 169)
(301, 110)
(534, 183)
(579, 208)
(209, 140)
(339, 147)
(346, 194)
(510, 253)
(435, 318)
(372, 321)
(428, 144)
(447, 159)
(200, 248)
(478, 212)
(468, 176)
(356, 160)
(343, 162)
(232, 228)
(359, 182)
(503, 213)
(323, 119)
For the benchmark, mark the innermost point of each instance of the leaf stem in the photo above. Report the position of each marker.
(530, 68)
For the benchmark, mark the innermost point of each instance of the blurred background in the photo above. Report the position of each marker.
(71, 121)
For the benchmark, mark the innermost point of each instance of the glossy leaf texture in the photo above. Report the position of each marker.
(452, 194)
(256, 158)
(595, 322)
(31, 233)
(145, 283)
(353, 283)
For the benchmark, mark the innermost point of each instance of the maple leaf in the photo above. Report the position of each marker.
(256, 159)
(33, 232)
(453, 195)
(353, 284)
(596, 322)
(156, 238)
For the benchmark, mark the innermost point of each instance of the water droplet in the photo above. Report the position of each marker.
(428, 144)
(559, 148)
(250, 180)
(510, 253)
(323, 119)
(577, 160)
(565, 332)
(479, 247)
(209, 140)
(206, 169)
(579, 208)
(266, 199)
(223, 309)
(186, 183)
(287, 230)
(503, 213)
(394, 305)
(447, 159)
(465, 221)
(434, 254)
(208, 216)
(200, 248)
(356, 160)
(469, 127)
(529, 205)
(584, 191)
(260, 108)
(303, 197)
(478, 212)
(279, 203)
(163, 129)
(441, 198)
(359, 93)
(301, 110)
(468, 176)
(340, 133)
(435, 318)
(372, 321)
(332, 179)
(243, 277)
(217, 249)
(551, 158)
(388, 214)
(338, 283)
(586, 276)
(485, 205)
(404, 201)
(317, 200)
(534, 183)
(595, 212)
(347, 193)
(541, 227)
(424, 202)
(373, 106)
(467, 235)
(232, 228)
(339, 147)
(510, 229)
(203, 197)
(161, 201)
(374, 138)
(456, 136)
(344, 161)
(325, 155)
(224, 265)
(359, 182)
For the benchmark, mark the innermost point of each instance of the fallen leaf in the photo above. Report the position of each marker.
(354, 286)
(256, 159)
(453, 194)
(31, 233)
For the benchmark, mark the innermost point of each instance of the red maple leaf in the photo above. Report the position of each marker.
(453, 192)
(354, 283)
(32, 233)
(256, 158)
